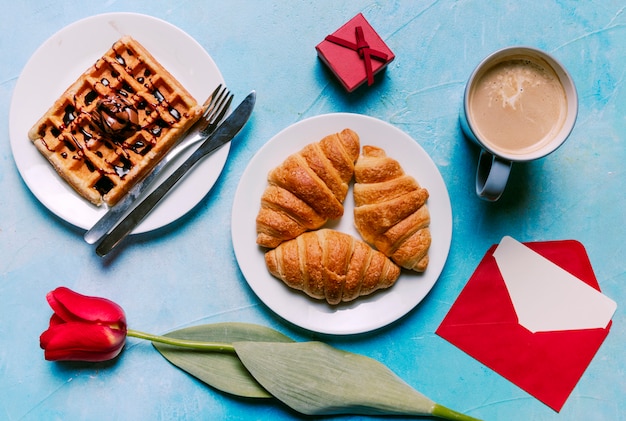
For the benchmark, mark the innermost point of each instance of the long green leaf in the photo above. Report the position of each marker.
(222, 371)
(316, 379)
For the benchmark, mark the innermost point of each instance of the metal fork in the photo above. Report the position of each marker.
(215, 108)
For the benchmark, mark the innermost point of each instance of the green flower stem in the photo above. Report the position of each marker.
(183, 343)
(449, 414)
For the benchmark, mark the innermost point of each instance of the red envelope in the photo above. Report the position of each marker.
(482, 322)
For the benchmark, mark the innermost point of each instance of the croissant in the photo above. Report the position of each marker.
(390, 209)
(328, 264)
(307, 189)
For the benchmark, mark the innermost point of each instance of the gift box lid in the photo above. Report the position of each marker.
(355, 53)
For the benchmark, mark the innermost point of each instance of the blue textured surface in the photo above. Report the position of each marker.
(186, 274)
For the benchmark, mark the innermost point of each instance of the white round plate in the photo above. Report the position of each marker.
(59, 61)
(365, 313)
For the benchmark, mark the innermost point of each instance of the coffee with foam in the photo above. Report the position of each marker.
(518, 105)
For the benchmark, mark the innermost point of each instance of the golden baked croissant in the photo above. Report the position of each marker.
(307, 189)
(390, 211)
(328, 264)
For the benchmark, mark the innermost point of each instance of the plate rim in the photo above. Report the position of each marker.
(445, 225)
(87, 214)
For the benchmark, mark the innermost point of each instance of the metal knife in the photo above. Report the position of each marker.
(223, 134)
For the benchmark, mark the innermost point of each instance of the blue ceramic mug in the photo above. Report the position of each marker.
(520, 104)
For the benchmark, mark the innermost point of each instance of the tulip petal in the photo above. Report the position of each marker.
(75, 341)
(55, 319)
(72, 306)
(86, 356)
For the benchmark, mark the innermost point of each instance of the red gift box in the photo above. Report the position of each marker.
(355, 53)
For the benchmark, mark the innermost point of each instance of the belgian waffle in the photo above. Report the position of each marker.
(111, 126)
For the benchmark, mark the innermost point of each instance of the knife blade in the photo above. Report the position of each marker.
(223, 134)
(115, 213)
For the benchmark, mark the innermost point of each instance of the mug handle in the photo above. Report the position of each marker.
(491, 176)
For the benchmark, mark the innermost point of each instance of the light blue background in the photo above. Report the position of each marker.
(186, 274)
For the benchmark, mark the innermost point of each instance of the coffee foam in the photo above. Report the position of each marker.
(518, 105)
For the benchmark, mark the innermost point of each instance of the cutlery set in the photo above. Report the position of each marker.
(212, 131)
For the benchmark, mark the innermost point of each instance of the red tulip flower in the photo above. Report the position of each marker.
(94, 329)
(83, 328)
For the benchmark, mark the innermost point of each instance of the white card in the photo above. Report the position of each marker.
(545, 296)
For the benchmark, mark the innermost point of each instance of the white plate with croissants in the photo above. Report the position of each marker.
(341, 224)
